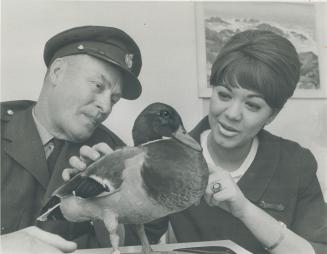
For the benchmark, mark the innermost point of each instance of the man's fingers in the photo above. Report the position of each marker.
(77, 166)
(68, 172)
(77, 163)
(102, 148)
(89, 154)
(52, 239)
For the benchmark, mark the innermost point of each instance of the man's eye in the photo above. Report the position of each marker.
(224, 96)
(98, 85)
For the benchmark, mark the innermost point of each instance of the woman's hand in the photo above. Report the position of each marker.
(227, 195)
(222, 191)
(87, 156)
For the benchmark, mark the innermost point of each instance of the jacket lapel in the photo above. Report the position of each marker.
(24, 145)
(256, 179)
(69, 149)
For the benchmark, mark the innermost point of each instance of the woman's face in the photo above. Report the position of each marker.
(236, 115)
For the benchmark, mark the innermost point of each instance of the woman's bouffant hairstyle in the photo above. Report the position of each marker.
(261, 61)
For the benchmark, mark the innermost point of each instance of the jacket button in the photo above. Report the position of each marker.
(10, 112)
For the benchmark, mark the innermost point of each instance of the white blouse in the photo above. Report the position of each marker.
(238, 173)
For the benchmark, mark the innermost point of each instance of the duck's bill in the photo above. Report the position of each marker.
(182, 136)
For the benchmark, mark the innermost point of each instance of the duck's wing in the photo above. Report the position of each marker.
(103, 177)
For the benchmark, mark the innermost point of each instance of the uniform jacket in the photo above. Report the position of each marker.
(281, 180)
(25, 182)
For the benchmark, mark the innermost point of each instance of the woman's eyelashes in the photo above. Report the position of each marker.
(224, 96)
(253, 106)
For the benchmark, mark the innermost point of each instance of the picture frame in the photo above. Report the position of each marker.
(216, 22)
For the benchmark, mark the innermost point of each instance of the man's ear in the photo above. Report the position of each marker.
(272, 116)
(56, 70)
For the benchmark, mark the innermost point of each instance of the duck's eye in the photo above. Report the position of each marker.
(164, 114)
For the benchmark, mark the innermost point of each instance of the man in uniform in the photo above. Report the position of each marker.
(89, 69)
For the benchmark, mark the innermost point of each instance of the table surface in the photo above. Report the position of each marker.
(168, 247)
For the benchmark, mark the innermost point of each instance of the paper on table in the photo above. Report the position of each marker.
(168, 247)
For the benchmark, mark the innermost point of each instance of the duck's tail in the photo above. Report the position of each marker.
(51, 211)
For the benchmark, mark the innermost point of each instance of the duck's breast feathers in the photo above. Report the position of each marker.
(169, 152)
(174, 173)
(102, 177)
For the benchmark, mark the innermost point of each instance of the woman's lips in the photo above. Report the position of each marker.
(227, 130)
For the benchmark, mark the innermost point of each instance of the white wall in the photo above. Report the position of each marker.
(165, 32)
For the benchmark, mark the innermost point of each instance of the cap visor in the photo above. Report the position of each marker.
(132, 88)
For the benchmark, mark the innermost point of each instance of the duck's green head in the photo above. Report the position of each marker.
(159, 120)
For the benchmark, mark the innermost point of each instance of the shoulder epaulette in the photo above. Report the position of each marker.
(8, 108)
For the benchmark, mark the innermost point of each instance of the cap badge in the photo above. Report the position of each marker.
(80, 47)
(129, 60)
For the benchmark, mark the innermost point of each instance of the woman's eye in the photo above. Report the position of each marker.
(253, 106)
(224, 95)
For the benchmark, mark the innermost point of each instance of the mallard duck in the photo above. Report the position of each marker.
(164, 173)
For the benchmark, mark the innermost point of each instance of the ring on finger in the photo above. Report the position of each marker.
(216, 187)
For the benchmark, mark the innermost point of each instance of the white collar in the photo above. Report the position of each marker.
(43, 132)
(238, 173)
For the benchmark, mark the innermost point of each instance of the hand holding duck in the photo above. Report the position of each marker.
(222, 191)
(138, 184)
(87, 156)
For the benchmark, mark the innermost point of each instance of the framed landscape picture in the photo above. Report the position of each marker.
(216, 22)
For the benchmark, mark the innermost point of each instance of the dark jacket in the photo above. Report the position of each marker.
(281, 180)
(25, 182)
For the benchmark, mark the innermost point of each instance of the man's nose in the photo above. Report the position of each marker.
(234, 111)
(104, 102)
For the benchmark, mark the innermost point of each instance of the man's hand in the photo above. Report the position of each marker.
(33, 240)
(86, 157)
